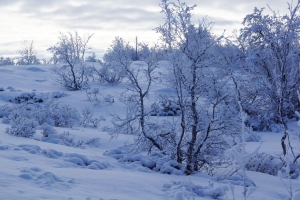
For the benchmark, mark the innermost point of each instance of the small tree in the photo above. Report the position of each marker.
(117, 58)
(271, 44)
(139, 79)
(27, 53)
(70, 52)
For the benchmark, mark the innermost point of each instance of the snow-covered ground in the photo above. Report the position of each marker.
(33, 168)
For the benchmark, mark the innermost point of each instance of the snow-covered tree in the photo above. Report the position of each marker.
(117, 58)
(70, 52)
(271, 44)
(139, 77)
(208, 109)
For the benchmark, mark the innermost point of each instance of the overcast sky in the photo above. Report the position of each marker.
(41, 21)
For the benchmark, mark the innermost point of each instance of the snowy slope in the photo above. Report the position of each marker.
(31, 168)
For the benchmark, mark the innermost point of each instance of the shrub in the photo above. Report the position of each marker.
(48, 130)
(264, 163)
(88, 118)
(28, 97)
(165, 108)
(5, 110)
(263, 122)
(96, 97)
(21, 126)
(64, 115)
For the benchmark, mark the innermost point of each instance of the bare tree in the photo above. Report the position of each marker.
(70, 52)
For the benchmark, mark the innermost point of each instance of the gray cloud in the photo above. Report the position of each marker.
(107, 18)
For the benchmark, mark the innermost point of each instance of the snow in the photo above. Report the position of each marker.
(35, 168)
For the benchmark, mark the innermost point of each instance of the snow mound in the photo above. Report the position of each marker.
(156, 161)
(74, 158)
(237, 179)
(45, 179)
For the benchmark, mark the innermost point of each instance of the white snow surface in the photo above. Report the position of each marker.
(34, 169)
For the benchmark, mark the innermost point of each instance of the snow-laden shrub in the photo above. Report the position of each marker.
(64, 115)
(21, 125)
(108, 73)
(88, 118)
(57, 95)
(263, 122)
(5, 110)
(48, 130)
(165, 108)
(36, 98)
(29, 97)
(96, 97)
(2, 89)
(66, 139)
(48, 112)
(264, 163)
(93, 142)
(156, 161)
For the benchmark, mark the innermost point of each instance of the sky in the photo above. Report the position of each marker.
(42, 21)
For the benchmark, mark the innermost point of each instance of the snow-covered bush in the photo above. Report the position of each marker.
(47, 111)
(88, 118)
(165, 108)
(264, 163)
(57, 94)
(21, 125)
(116, 59)
(2, 89)
(156, 161)
(48, 130)
(66, 139)
(64, 115)
(108, 73)
(263, 122)
(52, 136)
(29, 97)
(4, 111)
(92, 142)
(95, 96)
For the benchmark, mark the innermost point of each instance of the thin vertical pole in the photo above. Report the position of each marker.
(136, 47)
